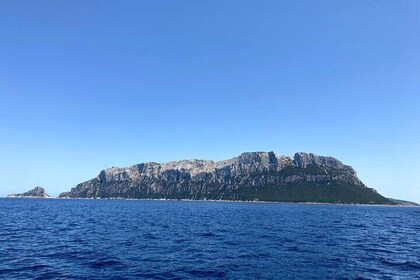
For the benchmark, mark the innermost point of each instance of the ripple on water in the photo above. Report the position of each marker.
(79, 239)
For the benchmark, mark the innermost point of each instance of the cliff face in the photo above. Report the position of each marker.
(37, 192)
(250, 176)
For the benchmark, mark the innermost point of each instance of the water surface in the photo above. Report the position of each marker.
(122, 239)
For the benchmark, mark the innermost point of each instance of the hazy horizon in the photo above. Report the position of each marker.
(89, 85)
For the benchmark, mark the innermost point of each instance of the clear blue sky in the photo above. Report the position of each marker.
(86, 85)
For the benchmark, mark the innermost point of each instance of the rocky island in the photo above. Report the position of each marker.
(37, 192)
(252, 176)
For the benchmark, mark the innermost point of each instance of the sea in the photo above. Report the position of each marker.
(148, 239)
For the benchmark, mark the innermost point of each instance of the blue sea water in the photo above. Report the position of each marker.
(117, 239)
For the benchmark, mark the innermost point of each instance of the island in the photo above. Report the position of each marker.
(37, 192)
(252, 176)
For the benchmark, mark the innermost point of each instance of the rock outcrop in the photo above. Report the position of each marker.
(37, 192)
(263, 176)
(403, 202)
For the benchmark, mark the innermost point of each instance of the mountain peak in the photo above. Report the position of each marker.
(304, 159)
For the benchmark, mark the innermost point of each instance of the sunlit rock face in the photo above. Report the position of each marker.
(250, 176)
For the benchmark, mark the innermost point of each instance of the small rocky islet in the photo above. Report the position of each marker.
(37, 192)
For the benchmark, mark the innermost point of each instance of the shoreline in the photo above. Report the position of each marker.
(212, 200)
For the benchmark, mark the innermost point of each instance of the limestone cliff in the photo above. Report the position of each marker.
(263, 176)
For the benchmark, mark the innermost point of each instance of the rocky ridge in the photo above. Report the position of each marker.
(263, 176)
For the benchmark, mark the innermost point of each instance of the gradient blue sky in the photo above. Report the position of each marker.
(86, 85)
